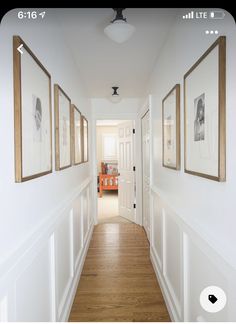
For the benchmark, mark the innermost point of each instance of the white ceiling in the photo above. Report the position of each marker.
(103, 63)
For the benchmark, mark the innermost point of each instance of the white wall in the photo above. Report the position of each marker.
(38, 217)
(193, 218)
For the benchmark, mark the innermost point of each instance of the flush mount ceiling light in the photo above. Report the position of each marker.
(119, 30)
(115, 97)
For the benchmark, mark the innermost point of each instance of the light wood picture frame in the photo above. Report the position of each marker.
(204, 114)
(63, 129)
(77, 135)
(171, 129)
(32, 114)
(85, 139)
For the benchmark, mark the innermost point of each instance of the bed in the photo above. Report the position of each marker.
(108, 178)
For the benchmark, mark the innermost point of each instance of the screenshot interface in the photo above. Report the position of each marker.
(118, 165)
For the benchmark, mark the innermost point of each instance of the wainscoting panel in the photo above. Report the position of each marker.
(157, 230)
(3, 309)
(202, 273)
(172, 256)
(38, 283)
(190, 264)
(64, 258)
(77, 230)
(85, 214)
(33, 287)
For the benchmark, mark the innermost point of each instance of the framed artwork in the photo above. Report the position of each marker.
(85, 139)
(204, 111)
(63, 129)
(76, 135)
(32, 114)
(171, 129)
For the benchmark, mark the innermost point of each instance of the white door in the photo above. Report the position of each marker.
(146, 173)
(126, 193)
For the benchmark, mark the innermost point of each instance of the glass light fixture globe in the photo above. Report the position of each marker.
(119, 31)
(115, 97)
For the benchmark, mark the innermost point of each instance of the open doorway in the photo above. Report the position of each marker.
(115, 172)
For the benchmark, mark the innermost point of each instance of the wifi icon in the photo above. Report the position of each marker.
(189, 15)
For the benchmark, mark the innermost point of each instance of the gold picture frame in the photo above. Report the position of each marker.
(85, 139)
(206, 129)
(32, 114)
(171, 129)
(63, 129)
(77, 136)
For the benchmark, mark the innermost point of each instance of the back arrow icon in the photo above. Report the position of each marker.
(19, 48)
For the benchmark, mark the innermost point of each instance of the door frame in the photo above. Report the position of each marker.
(147, 106)
(147, 110)
(133, 117)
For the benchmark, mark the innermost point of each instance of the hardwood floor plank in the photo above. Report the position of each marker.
(118, 282)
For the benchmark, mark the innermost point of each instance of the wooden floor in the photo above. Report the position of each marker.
(118, 282)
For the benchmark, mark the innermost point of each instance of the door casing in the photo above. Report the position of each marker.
(137, 157)
(148, 230)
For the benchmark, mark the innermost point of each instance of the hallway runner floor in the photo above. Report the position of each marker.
(118, 282)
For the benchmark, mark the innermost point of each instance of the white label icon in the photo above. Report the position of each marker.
(213, 299)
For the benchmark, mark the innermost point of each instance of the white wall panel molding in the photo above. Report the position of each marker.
(33, 287)
(64, 259)
(171, 260)
(78, 231)
(70, 298)
(165, 292)
(189, 265)
(194, 232)
(3, 309)
(185, 276)
(53, 278)
(43, 229)
(43, 273)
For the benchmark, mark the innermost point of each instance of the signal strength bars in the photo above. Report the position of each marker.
(189, 15)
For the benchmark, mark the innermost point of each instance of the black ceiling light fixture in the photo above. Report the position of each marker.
(119, 14)
(115, 97)
(119, 30)
(115, 93)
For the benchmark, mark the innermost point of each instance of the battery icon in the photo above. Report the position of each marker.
(217, 14)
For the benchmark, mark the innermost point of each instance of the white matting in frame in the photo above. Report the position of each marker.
(32, 101)
(63, 128)
(85, 139)
(171, 129)
(204, 86)
(77, 135)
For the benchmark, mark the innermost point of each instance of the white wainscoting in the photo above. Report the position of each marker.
(185, 264)
(41, 278)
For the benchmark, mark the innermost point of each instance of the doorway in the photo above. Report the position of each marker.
(115, 172)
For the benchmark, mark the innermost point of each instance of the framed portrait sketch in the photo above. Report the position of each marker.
(77, 135)
(171, 129)
(63, 129)
(85, 139)
(204, 109)
(32, 114)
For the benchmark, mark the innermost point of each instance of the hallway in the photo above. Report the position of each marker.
(118, 282)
